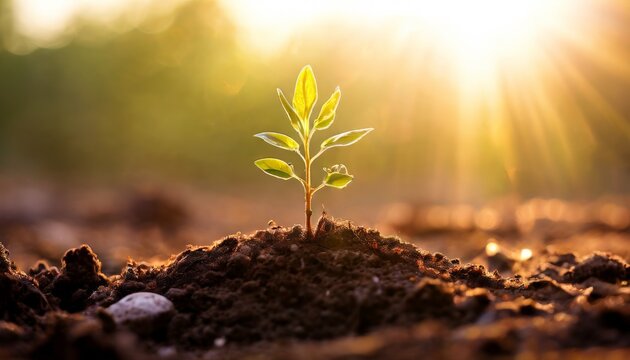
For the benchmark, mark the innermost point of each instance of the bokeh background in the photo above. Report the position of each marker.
(150, 106)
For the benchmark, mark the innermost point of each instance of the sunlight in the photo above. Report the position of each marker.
(526, 254)
(492, 248)
(49, 23)
(43, 19)
(493, 94)
(482, 36)
(475, 37)
(508, 67)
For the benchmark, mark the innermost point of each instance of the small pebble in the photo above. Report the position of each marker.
(143, 312)
(220, 342)
(294, 247)
(167, 351)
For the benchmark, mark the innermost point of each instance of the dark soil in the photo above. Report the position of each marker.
(349, 293)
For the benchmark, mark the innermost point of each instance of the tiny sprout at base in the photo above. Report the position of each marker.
(299, 114)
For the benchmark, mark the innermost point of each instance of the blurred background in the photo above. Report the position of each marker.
(129, 120)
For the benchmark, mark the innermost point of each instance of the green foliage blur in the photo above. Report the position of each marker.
(181, 104)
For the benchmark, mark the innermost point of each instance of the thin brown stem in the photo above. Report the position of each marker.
(308, 190)
(317, 188)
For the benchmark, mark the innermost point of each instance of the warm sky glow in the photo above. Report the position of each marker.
(476, 37)
(492, 92)
(485, 35)
(48, 23)
(509, 68)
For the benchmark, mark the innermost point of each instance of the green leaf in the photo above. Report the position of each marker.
(346, 138)
(327, 113)
(339, 168)
(279, 140)
(305, 94)
(293, 116)
(337, 180)
(276, 168)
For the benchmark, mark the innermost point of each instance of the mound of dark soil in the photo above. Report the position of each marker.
(70, 287)
(248, 293)
(21, 301)
(277, 285)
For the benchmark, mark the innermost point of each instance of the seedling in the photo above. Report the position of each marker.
(299, 113)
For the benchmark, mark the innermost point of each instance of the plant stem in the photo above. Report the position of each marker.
(307, 188)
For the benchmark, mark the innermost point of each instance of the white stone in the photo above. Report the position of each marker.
(141, 309)
(220, 342)
(167, 352)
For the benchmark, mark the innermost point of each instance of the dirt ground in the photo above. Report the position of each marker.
(530, 279)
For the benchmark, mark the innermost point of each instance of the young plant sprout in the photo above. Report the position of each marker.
(299, 113)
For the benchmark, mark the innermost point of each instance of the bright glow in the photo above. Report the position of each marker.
(510, 73)
(47, 22)
(43, 19)
(492, 249)
(481, 36)
(526, 254)
(506, 94)
(474, 36)
(473, 39)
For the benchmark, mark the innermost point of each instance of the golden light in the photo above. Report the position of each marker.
(526, 254)
(509, 80)
(476, 37)
(480, 37)
(50, 23)
(43, 19)
(492, 248)
(487, 219)
(508, 95)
